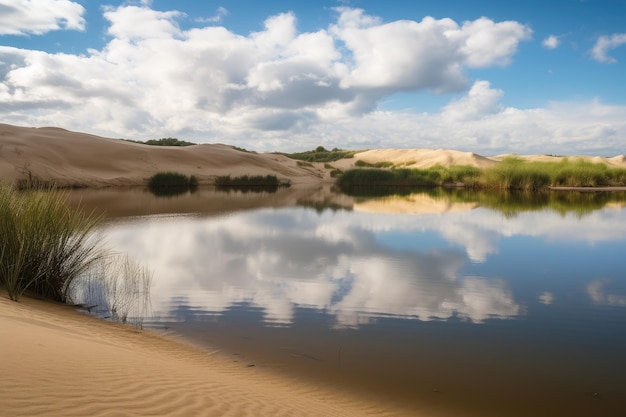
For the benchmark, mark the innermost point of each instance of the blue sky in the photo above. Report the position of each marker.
(486, 76)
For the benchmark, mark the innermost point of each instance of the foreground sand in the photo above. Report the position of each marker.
(58, 362)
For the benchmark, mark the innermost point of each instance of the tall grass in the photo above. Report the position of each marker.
(44, 243)
(509, 174)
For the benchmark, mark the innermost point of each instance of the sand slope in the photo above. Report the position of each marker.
(78, 159)
(58, 362)
(71, 158)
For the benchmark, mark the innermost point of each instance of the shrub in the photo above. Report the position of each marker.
(171, 183)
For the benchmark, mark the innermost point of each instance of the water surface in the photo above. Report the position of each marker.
(446, 302)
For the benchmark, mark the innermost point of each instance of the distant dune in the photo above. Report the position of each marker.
(79, 159)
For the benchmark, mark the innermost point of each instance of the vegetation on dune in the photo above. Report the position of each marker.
(382, 164)
(509, 174)
(171, 183)
(45, 244)
(321, 154)
(163, 142)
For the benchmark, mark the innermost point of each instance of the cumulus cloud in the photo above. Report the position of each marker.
(551, 42)
(23, 17)
(604, 44)
(480, 101)
(282, 89)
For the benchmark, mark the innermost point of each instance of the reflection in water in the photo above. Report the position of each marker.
(500, 312)
(355, 266)
(280, 260)
(598, 295)
(115, 287)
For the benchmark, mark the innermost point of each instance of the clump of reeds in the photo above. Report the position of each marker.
(171, 183)
(115, 287)
(44, 243)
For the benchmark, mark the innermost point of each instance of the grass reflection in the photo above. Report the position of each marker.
(509, 203)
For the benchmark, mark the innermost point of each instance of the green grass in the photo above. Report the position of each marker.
(171, 183)
(509, 174)
(45, 244)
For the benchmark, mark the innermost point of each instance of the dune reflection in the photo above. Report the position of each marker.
(416, 203)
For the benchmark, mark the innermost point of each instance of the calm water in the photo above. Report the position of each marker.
(450, 303)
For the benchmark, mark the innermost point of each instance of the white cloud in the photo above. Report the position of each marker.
(480, 101)
(604, 44)
(132, 22)
(22, 17)
(551, 42)
(219, 15)
(280, 89)
(488, 43)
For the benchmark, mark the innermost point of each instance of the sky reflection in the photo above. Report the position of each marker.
(354, 266)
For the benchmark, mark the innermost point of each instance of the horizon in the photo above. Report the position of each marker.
(490, 78)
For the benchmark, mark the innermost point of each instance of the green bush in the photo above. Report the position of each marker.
(45, 244)
(171, 183)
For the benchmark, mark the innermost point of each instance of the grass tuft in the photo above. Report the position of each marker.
(45, 244)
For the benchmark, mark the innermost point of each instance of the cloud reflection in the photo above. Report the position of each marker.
(280, 260)
(598, 294)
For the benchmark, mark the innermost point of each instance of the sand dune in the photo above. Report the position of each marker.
(71, 158)
(425, 158)
(78, 159)
(58, 362)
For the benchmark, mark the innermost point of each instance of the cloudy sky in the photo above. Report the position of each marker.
(487, 76)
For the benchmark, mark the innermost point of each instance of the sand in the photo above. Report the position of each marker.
(59, 362)
(79, 159)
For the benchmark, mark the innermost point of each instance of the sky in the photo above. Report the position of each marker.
(486, 76)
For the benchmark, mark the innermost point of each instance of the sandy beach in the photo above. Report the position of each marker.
(60, 362)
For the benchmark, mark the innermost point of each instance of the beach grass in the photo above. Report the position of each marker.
(510, 174)
(45, 244)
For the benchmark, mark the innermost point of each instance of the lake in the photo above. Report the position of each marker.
(447, 302)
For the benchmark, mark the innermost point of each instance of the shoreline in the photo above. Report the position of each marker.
(58, 361)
